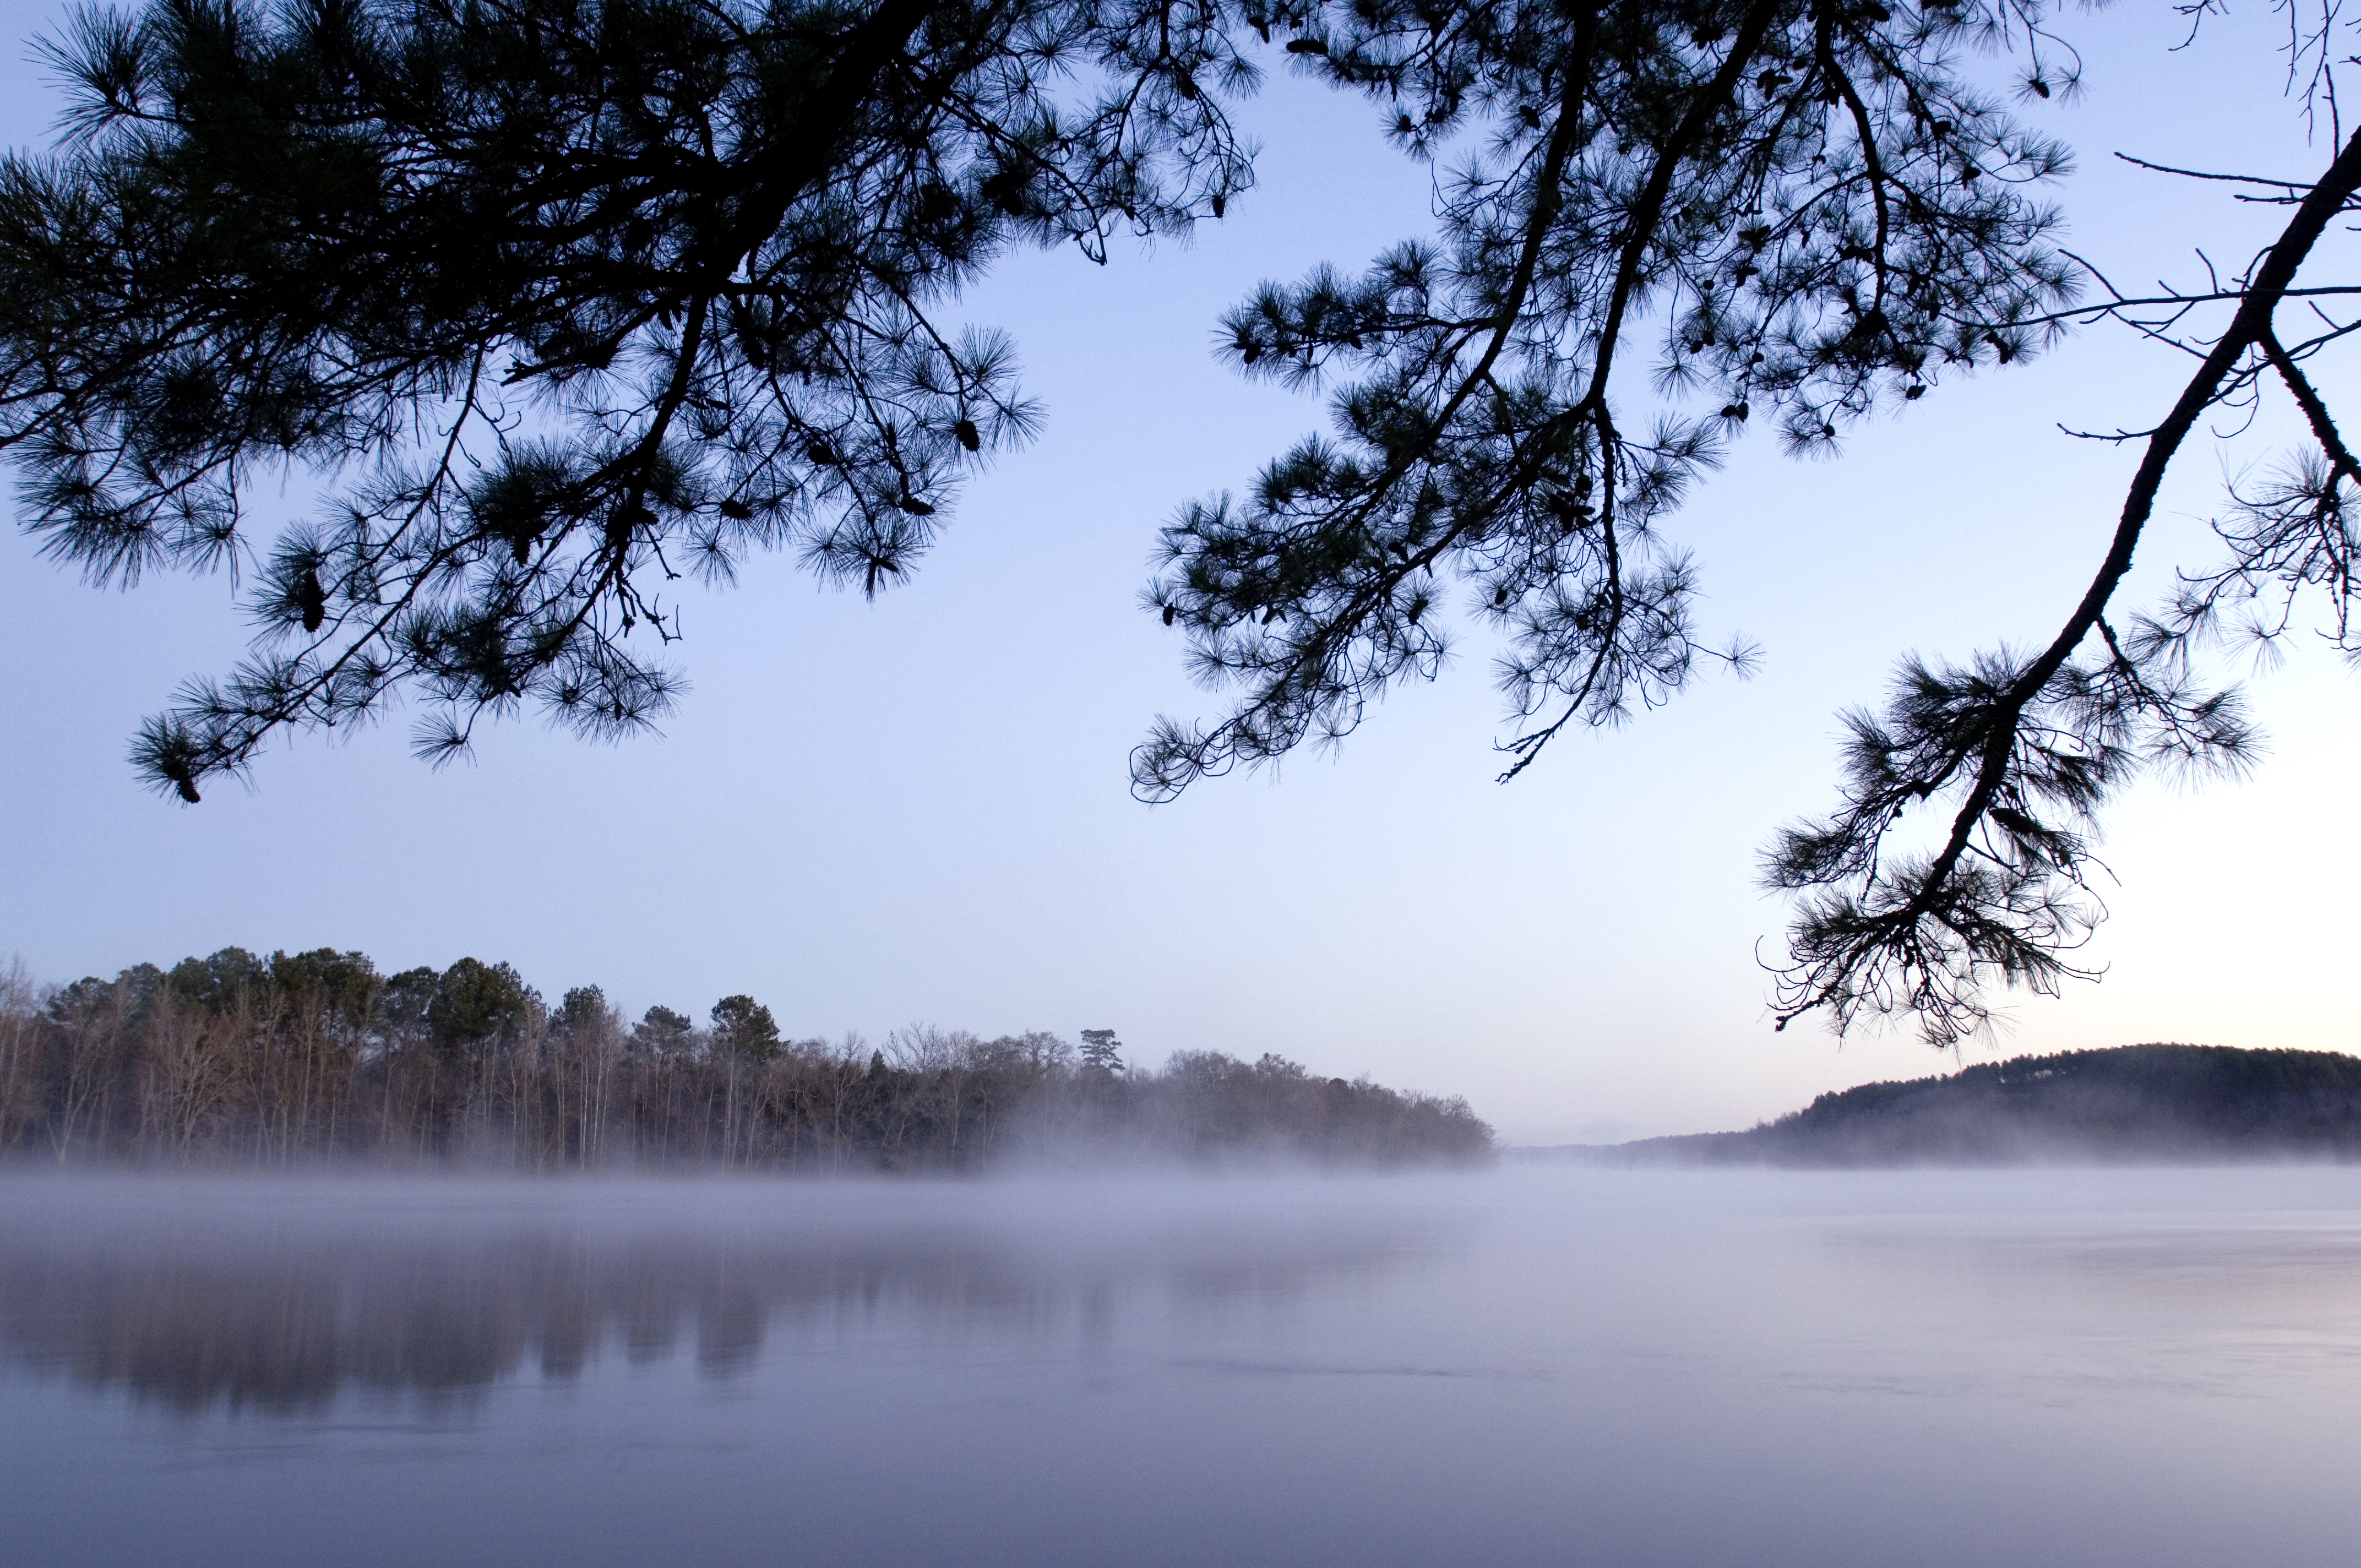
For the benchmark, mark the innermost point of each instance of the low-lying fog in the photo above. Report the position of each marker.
(1545, 1366)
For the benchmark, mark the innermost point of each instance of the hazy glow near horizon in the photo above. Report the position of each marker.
(868, 814)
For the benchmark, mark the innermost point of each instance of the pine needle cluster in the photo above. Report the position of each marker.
(564, 300)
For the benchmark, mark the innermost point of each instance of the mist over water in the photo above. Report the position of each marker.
(1559, 1365)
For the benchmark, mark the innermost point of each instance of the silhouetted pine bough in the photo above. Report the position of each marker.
(2131, 1103)
(559, 302)
(312, 1055)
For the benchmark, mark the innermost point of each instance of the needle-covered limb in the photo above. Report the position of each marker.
(2030, 747)
(549, 302)
(1816, 209)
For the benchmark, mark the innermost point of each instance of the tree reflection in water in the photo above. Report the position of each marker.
(275, 1298)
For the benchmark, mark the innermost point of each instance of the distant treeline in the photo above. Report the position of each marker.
(305, 1056)
(2133, 1103)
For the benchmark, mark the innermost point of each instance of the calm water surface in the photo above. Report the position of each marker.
(1561, 1366)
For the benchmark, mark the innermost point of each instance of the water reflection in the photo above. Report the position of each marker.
(250, 1298)
(2300, 1265)
(1572, 1369)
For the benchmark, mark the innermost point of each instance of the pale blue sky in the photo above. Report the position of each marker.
(871, 815)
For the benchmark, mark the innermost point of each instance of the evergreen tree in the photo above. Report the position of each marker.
(568, 297)
(476, 1006)
(2026, 747)
(1807, 202)
(1805, 264)
(582, 1011)
(565, 298)
(1101, 1052)
(743, 1028)
(662, 1032)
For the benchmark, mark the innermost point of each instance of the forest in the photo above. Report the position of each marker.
(2171, 1102)
(237, 1059)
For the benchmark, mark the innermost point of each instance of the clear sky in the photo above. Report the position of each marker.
(914, 810)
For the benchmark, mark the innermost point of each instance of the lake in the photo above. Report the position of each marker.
(1540, 1364)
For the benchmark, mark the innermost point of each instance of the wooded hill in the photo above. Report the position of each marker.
(2130, 1104)
(241, 1060)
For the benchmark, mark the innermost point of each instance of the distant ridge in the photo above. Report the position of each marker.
(2131, 1103)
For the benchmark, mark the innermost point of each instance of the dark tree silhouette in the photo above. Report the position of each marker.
(2027, 746)
(560, 298)
(661, 1030)
(238, 1059)
(743, 1028)
(476, 1006)
(1807, 202)
(1823, 216)
(1101, 1052)
(564, 298)
(2131, 1103)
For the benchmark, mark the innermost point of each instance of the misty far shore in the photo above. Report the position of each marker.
(2130, 1104)
(300, 1058)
